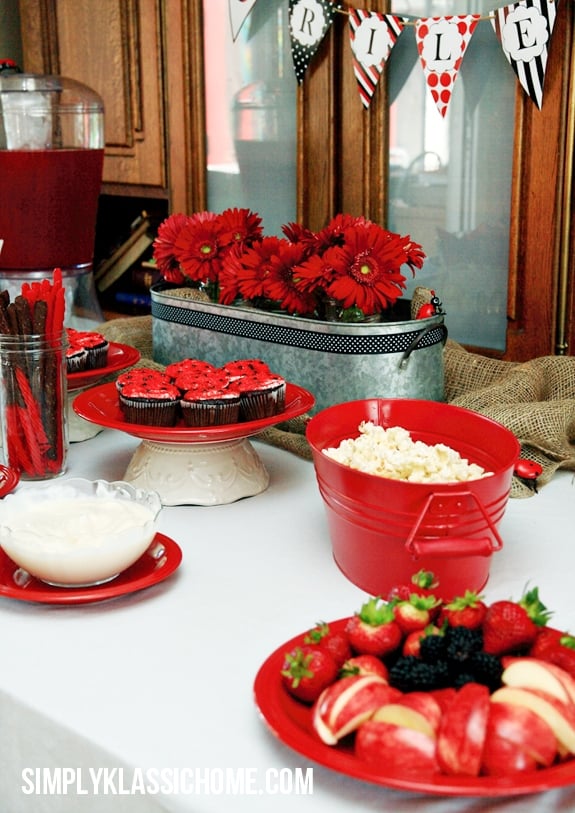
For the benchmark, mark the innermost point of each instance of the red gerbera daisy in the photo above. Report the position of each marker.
(333, 234)
(240, 226)
(317, 272)
(245, 272)
(296, 233)
(368, 269)
(281, 284)
(164, 247)
(199, 248)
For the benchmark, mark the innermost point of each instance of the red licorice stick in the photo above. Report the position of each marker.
(33, 410)
(18, 457)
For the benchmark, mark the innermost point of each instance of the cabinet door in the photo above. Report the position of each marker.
(114, 47)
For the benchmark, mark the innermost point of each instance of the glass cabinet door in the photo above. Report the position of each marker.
(450, 178)
(251, 112)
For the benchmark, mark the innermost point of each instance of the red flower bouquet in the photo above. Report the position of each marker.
(350, 270)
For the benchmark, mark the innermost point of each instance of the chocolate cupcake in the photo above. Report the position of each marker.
(210, 406)
(95, 344)
(150, 404)
(261, 396)
(76, 358)
(142, 376)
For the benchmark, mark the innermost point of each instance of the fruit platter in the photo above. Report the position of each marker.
(413, 693)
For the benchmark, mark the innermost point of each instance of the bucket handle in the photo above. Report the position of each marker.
(415, 343)
(444, 546)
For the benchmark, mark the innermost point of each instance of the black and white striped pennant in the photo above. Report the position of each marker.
(524, 30)
(372, 36)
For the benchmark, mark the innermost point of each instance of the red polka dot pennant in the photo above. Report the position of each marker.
(441, 44)
(372, 36)
(524, 30)
(309, 21)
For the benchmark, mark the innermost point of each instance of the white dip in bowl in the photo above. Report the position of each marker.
(78, 532)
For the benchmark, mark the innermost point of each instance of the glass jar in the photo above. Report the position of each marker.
(33, 398)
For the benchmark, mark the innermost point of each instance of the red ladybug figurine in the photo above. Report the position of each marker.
(528, 471)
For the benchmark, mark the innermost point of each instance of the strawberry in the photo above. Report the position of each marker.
(331, 641)
(364, 665)
(414, 613)
(555, 647)
(511, 626)
(464, 611)
(374, 630)
(307, 671)
(420, 582)
(412, 642)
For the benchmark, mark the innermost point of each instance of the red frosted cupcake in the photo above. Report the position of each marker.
(261, 396)
(246, 367)
(142, 376)
(214, 379)
(76, 358)
(191, 366)
(210, 406)
(150, 404)
(95, 344)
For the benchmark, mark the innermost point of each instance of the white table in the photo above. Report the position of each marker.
(163, 678)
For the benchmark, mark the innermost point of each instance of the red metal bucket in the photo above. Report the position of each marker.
(384, 530)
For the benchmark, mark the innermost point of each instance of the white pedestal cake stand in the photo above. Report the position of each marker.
(192, 466)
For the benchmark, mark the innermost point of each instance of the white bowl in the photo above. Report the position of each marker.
(77, 533)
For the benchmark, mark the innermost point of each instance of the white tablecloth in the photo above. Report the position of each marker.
(163, 679)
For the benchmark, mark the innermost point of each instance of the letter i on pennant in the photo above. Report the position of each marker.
(309, 21)
(441, 44)
(524, 31)
(372, 36)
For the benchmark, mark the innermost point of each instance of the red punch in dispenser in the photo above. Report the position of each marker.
(51, 160)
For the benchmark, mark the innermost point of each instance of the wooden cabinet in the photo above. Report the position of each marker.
(137, 55)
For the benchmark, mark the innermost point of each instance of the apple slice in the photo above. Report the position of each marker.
(395, 748)
(532, 673)
(462, 731)
(401, 715)
(524, 728)
(502, 757)
(347, 703)
(558, 715)
(416, 710)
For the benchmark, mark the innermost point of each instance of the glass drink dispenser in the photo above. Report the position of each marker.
(51, 160)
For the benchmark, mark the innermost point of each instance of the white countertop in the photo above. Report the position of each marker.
(163, 678)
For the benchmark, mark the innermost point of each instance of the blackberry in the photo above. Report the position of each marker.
(432, 648)
(410, 674)
(486, 668)
(461, 643)
(462, 678)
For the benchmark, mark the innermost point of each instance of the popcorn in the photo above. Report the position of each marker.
(392, 453)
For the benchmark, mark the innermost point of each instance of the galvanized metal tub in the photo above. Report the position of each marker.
(335, 361)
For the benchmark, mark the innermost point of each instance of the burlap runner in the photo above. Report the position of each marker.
(535, 399)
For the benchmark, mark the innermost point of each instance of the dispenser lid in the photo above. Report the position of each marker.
(72, 95)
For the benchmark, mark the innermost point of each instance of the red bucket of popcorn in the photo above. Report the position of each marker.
(410, 485)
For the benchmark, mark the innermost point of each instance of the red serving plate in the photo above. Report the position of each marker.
(120, 356)
(290, 721)
(150, 569)
(100, 405)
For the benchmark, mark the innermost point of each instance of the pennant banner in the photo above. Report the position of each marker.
(239, 11)
(372, 36)
(441, 44)
(309, 21)
(524, 30)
